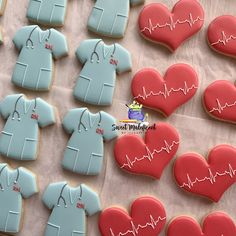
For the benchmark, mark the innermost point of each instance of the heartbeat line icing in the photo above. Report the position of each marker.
(171, 24)
(166, 92)
(220, 108)
(150, 155)
(225, 39)
(135, 229)
(212, 178)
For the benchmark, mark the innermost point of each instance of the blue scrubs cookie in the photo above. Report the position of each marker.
(101, 62)
(84, 152)
(69, 206)
(14, 186)
(19, 137)
(110, 17)
(34, 66)
(47, 12)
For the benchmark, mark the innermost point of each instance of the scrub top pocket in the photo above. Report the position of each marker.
(106, 94)
(12, 222)
(34, 9)
(58, 14)
(29, 149)
(78, 233)
(95, 18)
(5, 142)
(119, 25)
(72, 159)
(52, 230)
(19, 73)
(44, 79)
(82, 88)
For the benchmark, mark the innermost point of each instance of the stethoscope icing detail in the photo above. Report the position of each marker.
(16, 113)
(29, 42)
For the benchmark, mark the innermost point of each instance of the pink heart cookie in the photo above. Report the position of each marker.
(222, 35)
(147, 218)
(149, 156)
(178, 85)
(216, 223)
(209, 178)
(220, 100)
(158, 24)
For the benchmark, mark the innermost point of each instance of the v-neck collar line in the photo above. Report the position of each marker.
(91, 115)
(108, 47)
(9, 172)
(74, 198)
(26, 100)
(42, 34)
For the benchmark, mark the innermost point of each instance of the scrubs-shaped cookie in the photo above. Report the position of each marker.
(100, 62)
(84, 152)
(47, 12)
(34, 66)
(110, 17)
(14, 185)
(19, 137)
(69, 206)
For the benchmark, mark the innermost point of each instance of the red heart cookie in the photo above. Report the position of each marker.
(222, 35)
(149, 156)
(207, 178)
(147, 218)
(158, 24)
(179, 84)
(220, 100)
(215, 224)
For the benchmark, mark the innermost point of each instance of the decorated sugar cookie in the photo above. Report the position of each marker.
(221, 35)
(84, 152)
(216, 223)
(19, 137)
(209, 178)
(69, 206)
(47, 12)
(178, 85)
(2, 6)
(110, 17)
(15, 184)
(219, 100)
(149, 156)
(147, 218)
(101, 62)
(34, 66)
(158, 24)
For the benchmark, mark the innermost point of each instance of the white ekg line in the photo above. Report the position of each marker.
(135, 229)
(220, 108)
(224, 40)
(166, 91)
(150, 155)
(172, 24)
(212, 178)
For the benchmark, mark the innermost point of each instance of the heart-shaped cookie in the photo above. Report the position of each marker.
(149, 156)
(216, 223)
(219, 100)
(158, 24)
(147, 218)
(221, 35)
(178, 85)
(209, 178)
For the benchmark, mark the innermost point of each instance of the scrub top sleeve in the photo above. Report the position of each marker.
(52, 194)
(45, 112)
(86, 49)
(7, 105)
(124, 60)
(136, 2)
(27, 182)
(107, 124)
(91, 200)
(59, 44)
(22, 36)
(71, 120)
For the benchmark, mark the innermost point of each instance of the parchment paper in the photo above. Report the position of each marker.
(198, 131)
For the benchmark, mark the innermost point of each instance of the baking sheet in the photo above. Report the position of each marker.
(197, 130)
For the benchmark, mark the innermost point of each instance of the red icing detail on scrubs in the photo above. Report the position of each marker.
(147, 217)
(158, 24)
(166, 94)
(209, 178)
(149, 156)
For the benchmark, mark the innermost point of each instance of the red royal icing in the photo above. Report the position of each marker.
(149, 156)
(222, 35)
(159, 25)
(179, 84)
(220, 100)
(209, 178)
(147, 218)
(215, 224)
